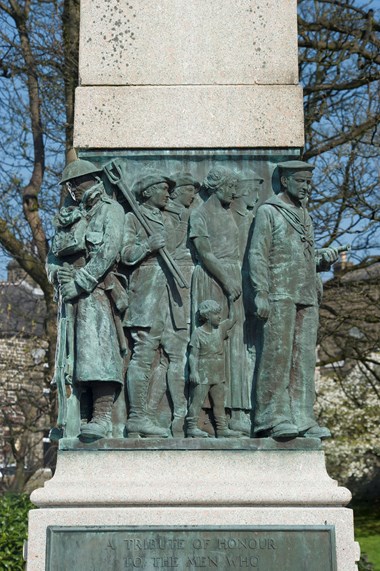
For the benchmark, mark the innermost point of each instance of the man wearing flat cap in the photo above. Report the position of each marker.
(176, 215)
(283, 268)
(178, 210)
(155, 305)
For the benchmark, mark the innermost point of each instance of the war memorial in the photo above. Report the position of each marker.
(188, 284)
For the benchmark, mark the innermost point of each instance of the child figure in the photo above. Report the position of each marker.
(207, 368)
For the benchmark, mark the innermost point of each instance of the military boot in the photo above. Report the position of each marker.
(192, 430)
(222, 430)
(145, 428)
(179, 411)
(178, 426)
(139, 425)
(101, 423)
(157, 390)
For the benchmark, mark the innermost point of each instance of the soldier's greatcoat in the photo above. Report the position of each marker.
(97, 349)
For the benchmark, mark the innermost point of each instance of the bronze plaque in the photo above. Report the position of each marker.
(260, 548)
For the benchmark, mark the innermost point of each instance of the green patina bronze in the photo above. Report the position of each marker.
(140, 252)
(283, 269)
(207, 367)
(82, 265)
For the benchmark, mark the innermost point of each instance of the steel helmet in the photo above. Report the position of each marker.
(78, 168)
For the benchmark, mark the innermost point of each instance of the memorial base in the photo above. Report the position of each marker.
(255, 504)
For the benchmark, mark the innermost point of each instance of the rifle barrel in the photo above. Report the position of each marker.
(344, 248)
(117, 181)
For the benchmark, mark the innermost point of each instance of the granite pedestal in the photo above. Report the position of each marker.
(229, 486)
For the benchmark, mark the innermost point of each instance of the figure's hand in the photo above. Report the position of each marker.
(231, 309)
(156, 242)
(65, 274)
(329, 255)
(262, 305)
(70, 290)
(232, 289)
(194, 379)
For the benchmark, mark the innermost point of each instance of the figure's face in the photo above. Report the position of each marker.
(214, 319)
(256, 190)
(250, 192)
(157, 195)
(297, 185)
(78, 186)
(249, 199)
(226, 192)
(186, 195)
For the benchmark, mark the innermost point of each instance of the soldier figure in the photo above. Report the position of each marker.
(156, 317)
(177, 213)
(81, 261)
(176, 216)
(283, 265)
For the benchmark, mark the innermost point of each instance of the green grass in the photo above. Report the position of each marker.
(367, 531)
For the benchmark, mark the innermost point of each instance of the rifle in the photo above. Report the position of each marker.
(68, 413)
(59, 375)
(73, 419)
(345, 248)
(113, 172)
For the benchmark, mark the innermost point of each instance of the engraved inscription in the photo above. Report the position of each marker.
(186, 548)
